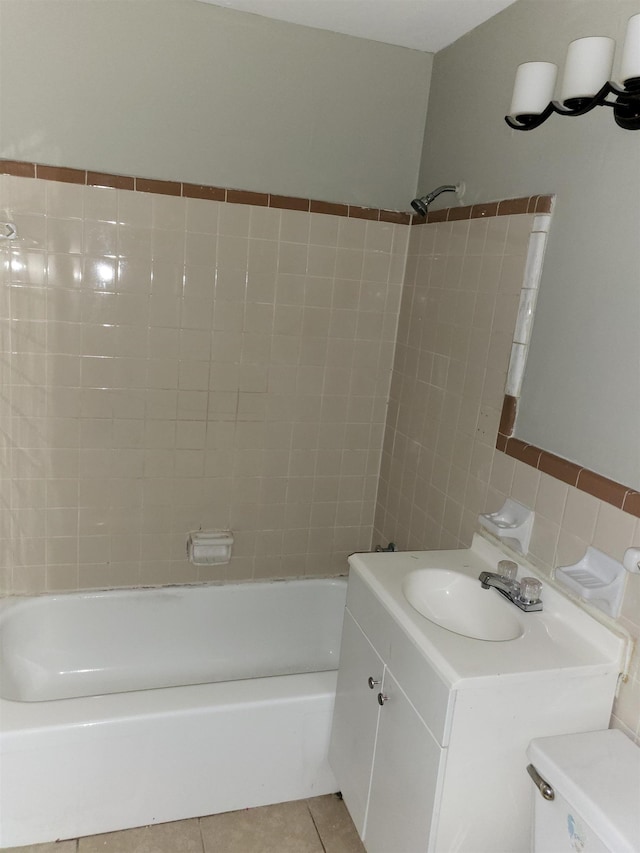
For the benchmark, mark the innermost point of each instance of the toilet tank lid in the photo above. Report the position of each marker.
(598, 773)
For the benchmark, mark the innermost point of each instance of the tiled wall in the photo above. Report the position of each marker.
(440, 468)
(173, 363)
(459, 306)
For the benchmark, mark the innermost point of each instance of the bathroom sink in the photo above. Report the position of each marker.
(435, 598)
(458, 603)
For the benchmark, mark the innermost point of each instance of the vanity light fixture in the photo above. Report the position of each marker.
(585, 85)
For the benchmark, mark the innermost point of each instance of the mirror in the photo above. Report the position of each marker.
(580, 393)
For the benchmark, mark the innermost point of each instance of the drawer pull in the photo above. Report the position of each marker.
(382, 698)
(373, 682)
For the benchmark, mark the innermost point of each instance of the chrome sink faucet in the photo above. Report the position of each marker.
(525, 593)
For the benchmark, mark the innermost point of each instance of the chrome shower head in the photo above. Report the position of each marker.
(418, 204)
(421, 205)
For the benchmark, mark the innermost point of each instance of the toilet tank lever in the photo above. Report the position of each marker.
(541, 784)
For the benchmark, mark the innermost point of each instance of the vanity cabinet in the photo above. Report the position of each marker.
(430, 760)
(404, 777)
(386, 759)
(355, 718)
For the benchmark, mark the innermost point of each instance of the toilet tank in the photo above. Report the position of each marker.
(595, 777)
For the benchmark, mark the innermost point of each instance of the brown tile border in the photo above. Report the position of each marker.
(512, 206)
(118, 182)
(609, 491)
(544, 204)
(527, 453)
(21, 169)
(148, 185)
(205, 192)
(287, 202)
(508, 416)
(483, 211)
(632, 503)
(397, 217)
(330, 208)
(364, 213)
(435, 216)
(506, 207)
(601, 487)
(501, 443)
(61, 173)
(18, 168)
(559, 468)
(457, 214)
(246, 197)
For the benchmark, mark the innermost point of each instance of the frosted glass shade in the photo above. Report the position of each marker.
(587, 67)
(533, 88)
(630, 64)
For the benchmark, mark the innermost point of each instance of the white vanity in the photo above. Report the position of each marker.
(431, 727)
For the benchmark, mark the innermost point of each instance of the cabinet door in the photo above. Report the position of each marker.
(404, 784)
(355, 719)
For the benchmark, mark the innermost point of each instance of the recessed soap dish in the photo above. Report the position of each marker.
(513, 524)
(596, 578)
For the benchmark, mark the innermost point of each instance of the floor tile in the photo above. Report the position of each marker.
(53, 847)
(283, 828)
(334, 825)
(182, 836)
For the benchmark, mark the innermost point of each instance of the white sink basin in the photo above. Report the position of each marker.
(459, 603)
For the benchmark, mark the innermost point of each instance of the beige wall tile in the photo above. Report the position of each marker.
(233, 219)
(189, 381)
(570, 548)
(580, 514)
(551, 496)
(201, 216)
(615, 531)
(525, 484)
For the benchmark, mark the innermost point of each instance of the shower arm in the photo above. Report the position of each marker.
(446, 188)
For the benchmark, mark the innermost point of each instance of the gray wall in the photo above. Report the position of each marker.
(581, 396)
(182, 90)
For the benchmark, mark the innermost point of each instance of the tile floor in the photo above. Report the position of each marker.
(318, 825)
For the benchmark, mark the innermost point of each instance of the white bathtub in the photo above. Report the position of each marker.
(212, 719)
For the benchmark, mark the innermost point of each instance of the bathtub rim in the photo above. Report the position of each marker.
(10, 599)
(22, 718)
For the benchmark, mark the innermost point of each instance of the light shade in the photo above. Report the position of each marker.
(630, 64)
(587, 67)
(533, 88)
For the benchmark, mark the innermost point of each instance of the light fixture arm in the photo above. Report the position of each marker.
(626, 109)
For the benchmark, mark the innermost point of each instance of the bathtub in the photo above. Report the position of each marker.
(125, 708)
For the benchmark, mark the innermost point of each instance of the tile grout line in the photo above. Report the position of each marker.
(315, 826)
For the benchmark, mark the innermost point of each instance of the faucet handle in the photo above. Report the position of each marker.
(508, 569)
(530, 589)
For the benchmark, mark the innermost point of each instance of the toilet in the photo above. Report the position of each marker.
(587, 793)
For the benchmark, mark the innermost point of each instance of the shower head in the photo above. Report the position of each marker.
(421, 205)
(418, 204)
